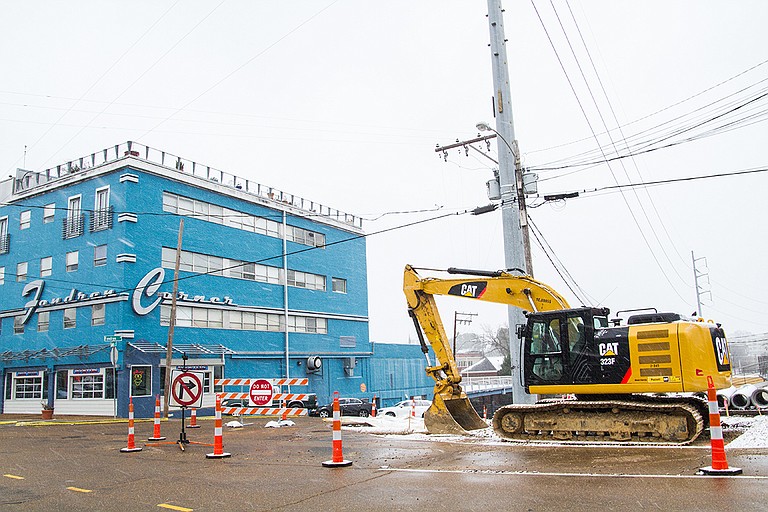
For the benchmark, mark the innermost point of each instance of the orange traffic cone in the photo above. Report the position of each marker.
(338, 460)
(131, 440)
(218, 439)
(719, 463)
(156, 435)
(193, 419)
(285, 415)
(373, 407)
(485, 412)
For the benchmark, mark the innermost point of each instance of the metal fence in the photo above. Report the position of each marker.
(27, 180)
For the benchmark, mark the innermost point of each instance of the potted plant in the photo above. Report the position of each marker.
(47, 410)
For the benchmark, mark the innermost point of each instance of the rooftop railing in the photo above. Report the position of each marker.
(26, 180)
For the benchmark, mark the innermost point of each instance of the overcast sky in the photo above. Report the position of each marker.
(343, 102)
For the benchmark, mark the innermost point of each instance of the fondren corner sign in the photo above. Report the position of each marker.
(144, 298)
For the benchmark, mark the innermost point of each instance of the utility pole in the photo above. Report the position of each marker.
(456, 320)
(697, 274)
(510, 184)
(172, 323)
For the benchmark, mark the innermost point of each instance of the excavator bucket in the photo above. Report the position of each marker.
(452, 416)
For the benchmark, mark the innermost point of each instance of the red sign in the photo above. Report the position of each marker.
(186, 389)
(261, 393)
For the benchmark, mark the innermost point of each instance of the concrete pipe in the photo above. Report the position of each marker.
(724, 395)
(742, 398)
(760, 398)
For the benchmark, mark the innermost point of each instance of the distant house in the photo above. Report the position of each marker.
(486, 367)
(466, 359)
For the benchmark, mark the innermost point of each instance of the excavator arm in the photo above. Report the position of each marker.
(451, 411)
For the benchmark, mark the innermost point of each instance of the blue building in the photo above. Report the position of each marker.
(270, 285)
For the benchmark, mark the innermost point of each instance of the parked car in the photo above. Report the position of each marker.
(403, 409)
(308, 403)
(347, 407)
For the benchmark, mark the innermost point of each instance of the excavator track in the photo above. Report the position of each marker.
(634, 421)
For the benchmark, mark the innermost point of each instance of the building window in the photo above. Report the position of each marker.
(102, 213)
(5, 238)
(99, 255)
(25, 219)
(2, 275)
(21, 271)
(73, 224)
(307, 324)
(87, 386)
(98, 314)
(28, 387)
(49, 211)
(306, 280)
(219, 215)
(339, 285)
(46, 264)
(18, 326)
(70, 318)
(72, 261)
(304, 236)
(141, 380)
(218, 266)
(43, 321)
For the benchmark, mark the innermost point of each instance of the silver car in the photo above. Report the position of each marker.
(403, 409)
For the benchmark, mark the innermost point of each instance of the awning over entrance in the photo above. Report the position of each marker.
(81, 351)
(190, 349)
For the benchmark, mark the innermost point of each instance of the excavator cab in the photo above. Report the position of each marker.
(559, 347)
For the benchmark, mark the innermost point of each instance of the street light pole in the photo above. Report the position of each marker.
(514, 252)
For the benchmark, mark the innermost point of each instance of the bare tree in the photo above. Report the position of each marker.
(496, 341)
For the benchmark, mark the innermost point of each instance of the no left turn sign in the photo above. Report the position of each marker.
(186, 389)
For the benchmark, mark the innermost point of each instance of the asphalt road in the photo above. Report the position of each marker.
(74, 467)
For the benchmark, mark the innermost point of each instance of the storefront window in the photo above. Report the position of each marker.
(109, 392)
(29, 386)
(141, 380)
(61, 384)
(86, 385)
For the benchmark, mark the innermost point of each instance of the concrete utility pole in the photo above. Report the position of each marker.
(514, 253)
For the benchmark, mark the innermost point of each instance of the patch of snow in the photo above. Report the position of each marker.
(279, 423)
(755, 431)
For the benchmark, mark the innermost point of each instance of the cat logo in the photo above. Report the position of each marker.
(608, 349)
(470, 289)
(721, 346)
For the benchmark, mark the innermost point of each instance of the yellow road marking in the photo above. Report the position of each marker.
(174, 507)
(77, 489)
(14, 477)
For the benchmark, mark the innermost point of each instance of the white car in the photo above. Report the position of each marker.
(403, 409)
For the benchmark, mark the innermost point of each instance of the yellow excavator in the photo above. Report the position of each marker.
(632, 383)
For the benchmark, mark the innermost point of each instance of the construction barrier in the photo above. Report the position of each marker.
(337, 460)
(218, 440)
(719, 463)
(276, 397)
(156, 434)
(248, 382)
(131, 440)
(193, 419)
(264, 411)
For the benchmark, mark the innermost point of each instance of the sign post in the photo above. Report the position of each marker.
(113, 341)
(186, 391)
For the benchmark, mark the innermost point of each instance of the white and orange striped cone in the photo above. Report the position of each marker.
(413, 408)
(218, 439)
(719, 463)
(373, 407)
(337, 460)
(485, 412)
(193, 419)
(156, 434)
(131, 438)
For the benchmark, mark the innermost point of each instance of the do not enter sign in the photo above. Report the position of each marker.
(261, 393)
